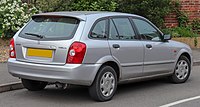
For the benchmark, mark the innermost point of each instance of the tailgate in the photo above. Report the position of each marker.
(45, 52)
(46, 39)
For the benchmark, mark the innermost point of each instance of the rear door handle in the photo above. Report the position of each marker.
(116, 46)
(149, 46)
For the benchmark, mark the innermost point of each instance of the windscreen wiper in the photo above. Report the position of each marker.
(36, 35)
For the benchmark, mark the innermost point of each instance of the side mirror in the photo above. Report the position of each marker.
(167, 37)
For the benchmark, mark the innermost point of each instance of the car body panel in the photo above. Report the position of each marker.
(158, 59)
(130, 56)
(180, 48)
(80, 74)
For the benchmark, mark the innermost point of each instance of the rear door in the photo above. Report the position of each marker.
(125, 47)
(158, 57)
(46, 39)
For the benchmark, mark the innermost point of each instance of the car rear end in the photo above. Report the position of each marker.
(48, 49)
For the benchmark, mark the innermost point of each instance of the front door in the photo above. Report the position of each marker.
(158, 54)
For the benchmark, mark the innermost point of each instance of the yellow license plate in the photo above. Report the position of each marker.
(39, 52)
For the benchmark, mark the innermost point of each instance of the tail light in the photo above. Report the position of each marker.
(12, 52)
(76, 53)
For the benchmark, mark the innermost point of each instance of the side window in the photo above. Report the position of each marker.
(147, 31)
(99, 30)
(124, 28)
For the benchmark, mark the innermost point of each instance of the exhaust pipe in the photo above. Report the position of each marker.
(61, 85)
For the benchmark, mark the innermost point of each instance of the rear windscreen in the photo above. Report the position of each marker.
(48, 27)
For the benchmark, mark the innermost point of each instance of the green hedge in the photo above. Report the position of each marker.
(1, 32)
(154, 10)
(180, 32)
(76, 5)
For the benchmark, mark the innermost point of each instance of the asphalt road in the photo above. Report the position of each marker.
(152, 93)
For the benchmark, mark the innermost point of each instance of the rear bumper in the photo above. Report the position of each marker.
(80, 74)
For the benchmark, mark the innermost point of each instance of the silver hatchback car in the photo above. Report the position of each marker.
(95, 49)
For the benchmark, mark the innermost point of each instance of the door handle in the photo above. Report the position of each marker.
(149, 46)
(116, 46)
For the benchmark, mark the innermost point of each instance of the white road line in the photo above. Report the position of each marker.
(180, 101)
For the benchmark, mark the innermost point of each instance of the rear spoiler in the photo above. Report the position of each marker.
(80, 17)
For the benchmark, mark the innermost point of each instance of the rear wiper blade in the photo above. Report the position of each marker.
(36, 35)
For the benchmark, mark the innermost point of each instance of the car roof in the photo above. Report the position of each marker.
(83, 14)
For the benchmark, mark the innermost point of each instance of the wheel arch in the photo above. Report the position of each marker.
(185, 53)
(115, 66)
(110, 61)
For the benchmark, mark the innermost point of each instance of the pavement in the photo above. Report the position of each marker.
(5, 77)
(7, 80)
(196, 55)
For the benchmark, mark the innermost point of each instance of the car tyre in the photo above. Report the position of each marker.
(33, 85)
(104, 85)
(182, 70)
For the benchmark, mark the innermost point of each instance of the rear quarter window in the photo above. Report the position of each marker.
(99, 29)
(50, 27)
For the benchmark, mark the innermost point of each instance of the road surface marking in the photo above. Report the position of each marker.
(180, 101)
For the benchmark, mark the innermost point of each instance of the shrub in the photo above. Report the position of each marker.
(180, 32)
(52, 5)
(93, 5)
(13, 15)
(154, 10)
(1, 32)
(76, 5)
(182, 18)
(196, 25)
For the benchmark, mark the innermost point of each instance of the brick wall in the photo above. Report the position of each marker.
(191, 7)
